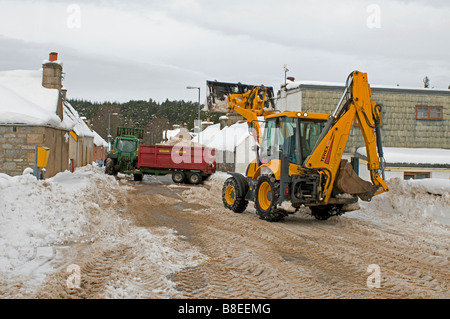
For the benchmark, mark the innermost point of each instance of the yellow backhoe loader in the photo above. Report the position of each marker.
(299, 156)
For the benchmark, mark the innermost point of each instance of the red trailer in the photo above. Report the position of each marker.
(184, 163)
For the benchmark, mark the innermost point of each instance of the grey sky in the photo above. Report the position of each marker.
(122, 50)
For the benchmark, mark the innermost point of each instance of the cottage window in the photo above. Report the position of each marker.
(416, 175)
(429, 112)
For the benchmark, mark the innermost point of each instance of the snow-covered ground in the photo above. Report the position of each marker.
(36, 217)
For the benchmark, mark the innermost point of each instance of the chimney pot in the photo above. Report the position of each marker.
(53, 56)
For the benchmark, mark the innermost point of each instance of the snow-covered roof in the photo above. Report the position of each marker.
(23, 99)
(291, 85)
(99, 141)
(413, 156)
(73, 120)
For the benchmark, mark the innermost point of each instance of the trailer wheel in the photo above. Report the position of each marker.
(195, 178)
(230, 197)
(178, 176)
(138, 177)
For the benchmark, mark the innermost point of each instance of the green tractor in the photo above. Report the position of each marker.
(123, 156)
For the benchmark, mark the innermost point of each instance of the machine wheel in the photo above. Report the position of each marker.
(138, 177)
(326, 211)
(195, 178)
(230, 198)
(109, 167)
(267, 194)
(178, 176)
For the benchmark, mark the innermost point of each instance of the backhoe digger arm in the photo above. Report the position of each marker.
(369, 115)
(327, 154)
(252, 119)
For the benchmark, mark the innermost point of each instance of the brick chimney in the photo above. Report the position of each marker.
(52, 78)
(52, 72)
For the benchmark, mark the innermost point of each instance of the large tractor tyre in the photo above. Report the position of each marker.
(324, 212)
(230, 197)
(178, 177)
(267, 195)
(195, 178)
(138, 177)
(109, 167)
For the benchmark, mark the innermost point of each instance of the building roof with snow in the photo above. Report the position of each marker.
(23, 99)
(412, 157)
(292, 85)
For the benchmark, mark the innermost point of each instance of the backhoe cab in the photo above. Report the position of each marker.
(299, 160)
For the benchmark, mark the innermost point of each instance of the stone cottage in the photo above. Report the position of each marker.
(33, 112)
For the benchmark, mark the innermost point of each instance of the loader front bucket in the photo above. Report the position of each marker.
(348, 182)
(217, 94)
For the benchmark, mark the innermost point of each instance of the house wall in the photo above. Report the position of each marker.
(99, 153)
(225, 161)
(85, 151)
(17, 148)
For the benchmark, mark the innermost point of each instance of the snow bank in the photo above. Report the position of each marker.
(41, 219)
(424, 202)
(47, 212)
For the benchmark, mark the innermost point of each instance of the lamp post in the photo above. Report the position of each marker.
(199, 123)
(109, 129)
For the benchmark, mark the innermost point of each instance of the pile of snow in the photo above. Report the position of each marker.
(49, 212)
(223, 140)
(427, 156)
(168, 134)
(425, 202)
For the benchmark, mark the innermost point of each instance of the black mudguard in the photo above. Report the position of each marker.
(242, 182)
